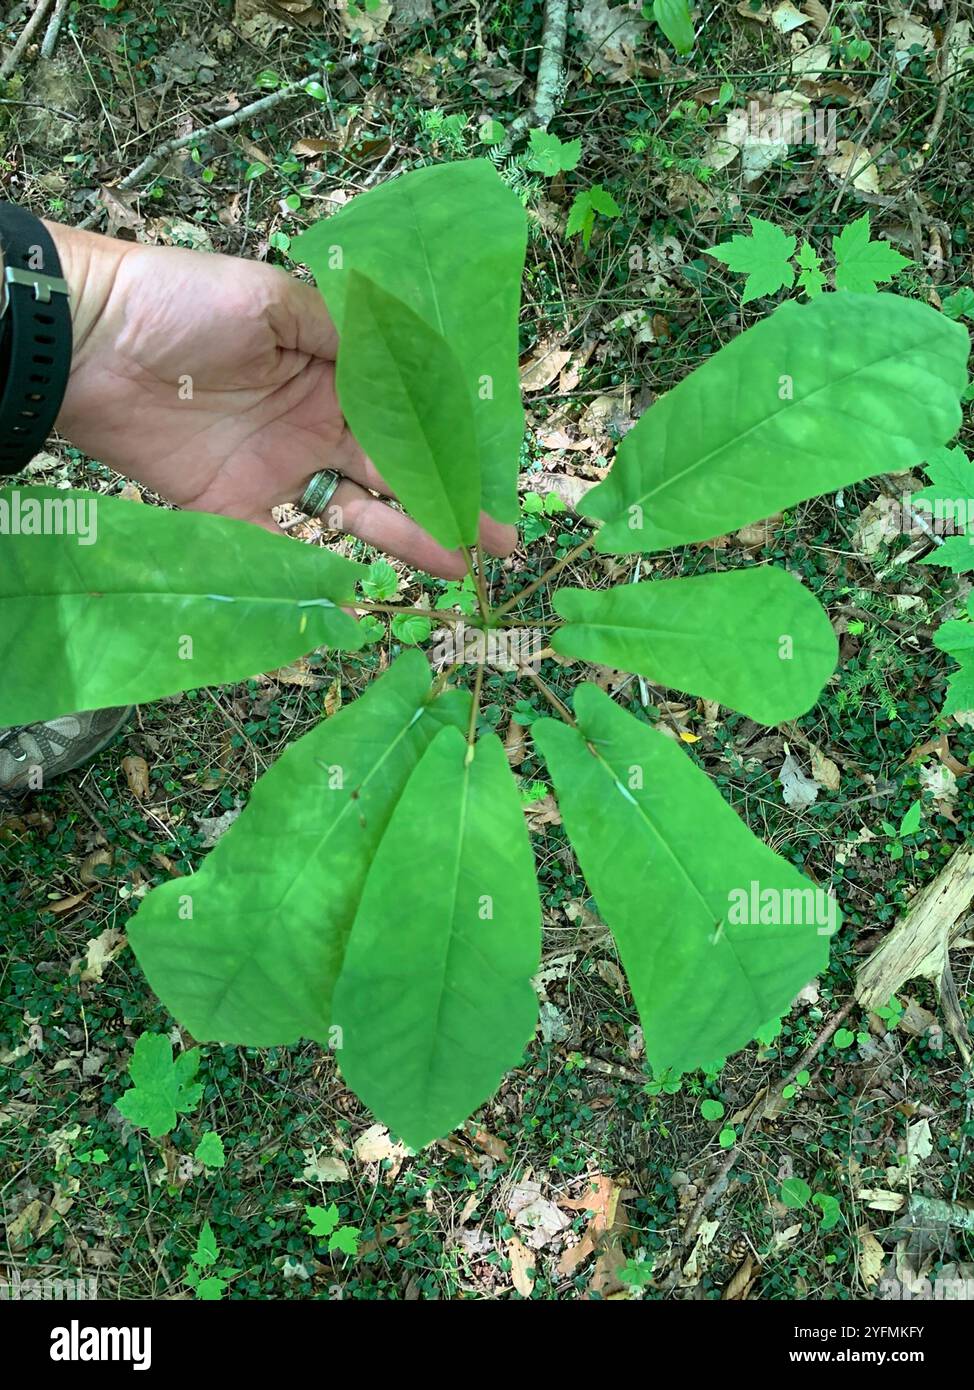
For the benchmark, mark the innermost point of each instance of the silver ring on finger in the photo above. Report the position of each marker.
(318, 492)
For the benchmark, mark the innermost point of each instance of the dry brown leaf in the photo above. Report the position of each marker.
(66, 904)
(544, 364)
(93, 861)
(101, 950)
(825, 772)
(871, 1256)
(522, 1266)
(137, 775)
(851, 163)
(515, 743)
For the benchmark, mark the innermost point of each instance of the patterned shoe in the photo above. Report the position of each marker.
(34, 754)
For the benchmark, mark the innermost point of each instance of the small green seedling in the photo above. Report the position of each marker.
(163, 1089)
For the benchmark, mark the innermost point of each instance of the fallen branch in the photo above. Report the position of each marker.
(29, 29)
(551, 71)
(761, 1107)
(162, 152)
(54, 29)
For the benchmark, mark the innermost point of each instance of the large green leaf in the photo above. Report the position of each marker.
(670, 866)
(754, 639)
(247, 950)
(449, 242)
(813, 398)
(402, 391)
(434, 999)
(158, 601)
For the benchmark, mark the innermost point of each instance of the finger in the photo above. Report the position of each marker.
(496, 538)
(357, 512)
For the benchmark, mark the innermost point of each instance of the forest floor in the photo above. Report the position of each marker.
(581, 1177)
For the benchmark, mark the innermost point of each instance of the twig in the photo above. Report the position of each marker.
(29, 29)
(940, 111)
(548, 87)
(162, 152)
(54, 29)
(760, 1110)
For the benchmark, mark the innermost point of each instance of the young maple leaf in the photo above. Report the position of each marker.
(549, 155)
(764, 257)
(810, 276)
(589, 201)
(323, 1219)
(861, 264)
(951, 475)
(162, 1088)
(956, 638)
(345, 1239)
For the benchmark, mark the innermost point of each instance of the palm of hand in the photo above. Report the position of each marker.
(229, 374)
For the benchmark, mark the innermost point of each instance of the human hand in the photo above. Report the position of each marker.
(212, 381)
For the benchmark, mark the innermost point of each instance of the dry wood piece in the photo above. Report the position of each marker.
(919, 945)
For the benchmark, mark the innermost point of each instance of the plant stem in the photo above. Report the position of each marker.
(537, 583)
(441, 613)
(553, 700)
(474, 711)
(477, 577)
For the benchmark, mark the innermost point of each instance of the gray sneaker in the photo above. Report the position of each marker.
(32, 755)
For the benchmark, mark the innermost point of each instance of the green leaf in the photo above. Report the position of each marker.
(830, 1208)
(247, 949)
(813, 398)
(711, 1109)
(549, 155)
(207, 1250)
(435, 1000)
(727, 1138)
(764, 256)
(671, 867)
(155, 602)
(956, 553)
(951, 489)
(910, 823)
(449, 242)
(162, 1089)
(381, 582)
(210, 1151)
(844, 1039)
(810, 276)
(861, 264)
(344, 1241)
(673, 17)
(956, 637)
(323, 1220)
(588, 202)
(211, 1290)
(795, 1193)
(403, 393)
(959, 305)
(754, 639)
(411, 628)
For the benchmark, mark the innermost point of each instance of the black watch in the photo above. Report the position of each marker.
(35, 337)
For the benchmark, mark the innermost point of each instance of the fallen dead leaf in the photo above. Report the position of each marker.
(522, 1266)
(101, 951)
(871, 1257)
(137, 776)
(797, 790)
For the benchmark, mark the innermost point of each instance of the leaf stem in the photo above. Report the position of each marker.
(561, 709)
(474, 711)
(440, 613)
(526, 592)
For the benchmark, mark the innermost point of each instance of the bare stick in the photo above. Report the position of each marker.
(54, 29)
(162, 152)
(756, 1116)
(547, 91)
(29, 29)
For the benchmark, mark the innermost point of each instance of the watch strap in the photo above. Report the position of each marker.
(36, 320)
